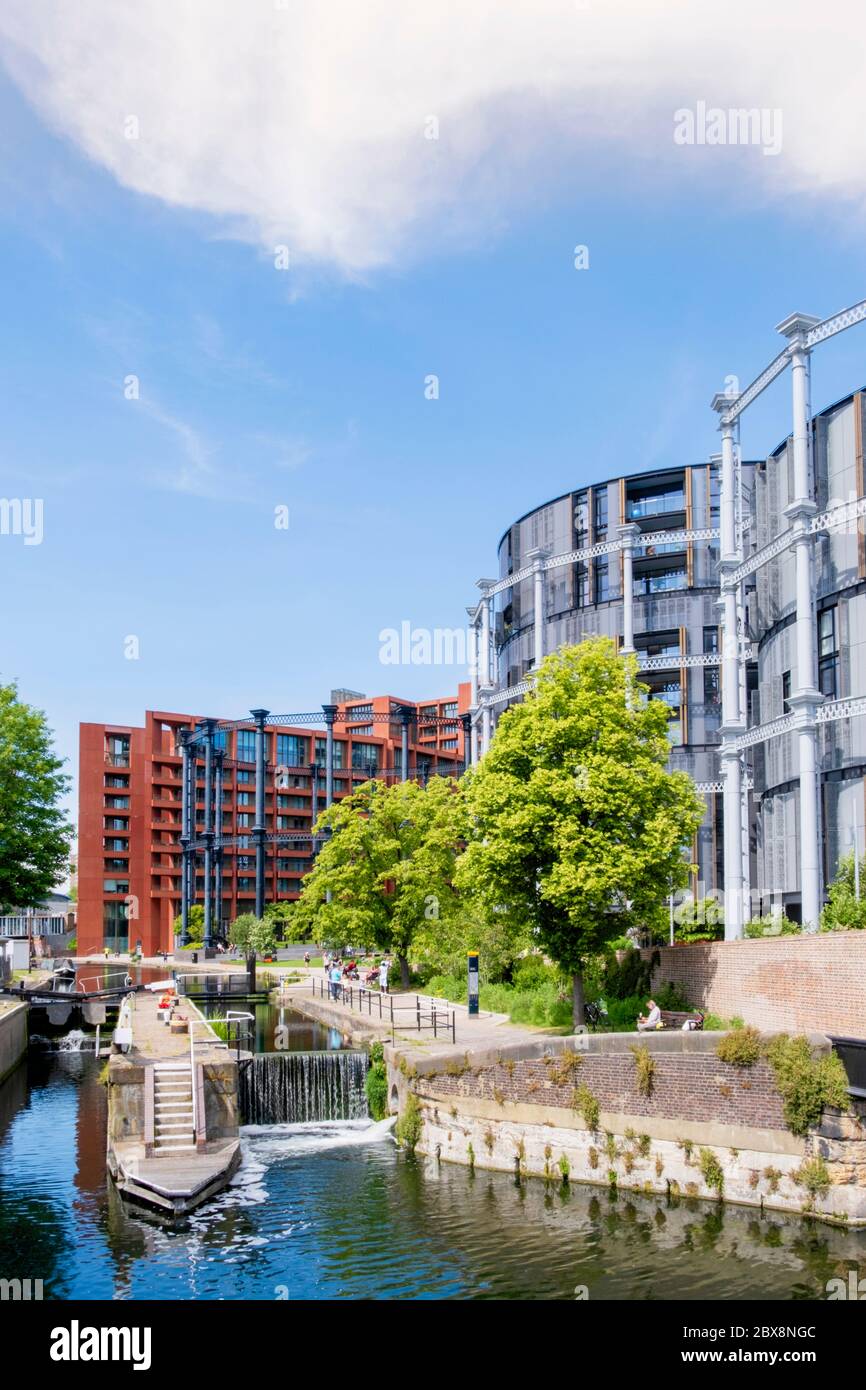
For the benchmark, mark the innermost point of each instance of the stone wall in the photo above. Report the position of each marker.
(786, 983)
(515, 1110)
(13, 1037)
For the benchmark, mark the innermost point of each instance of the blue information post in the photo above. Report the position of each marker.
(473, 984)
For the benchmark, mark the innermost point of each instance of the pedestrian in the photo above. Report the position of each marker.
(306, 958)
(336, 980)
(383, 975)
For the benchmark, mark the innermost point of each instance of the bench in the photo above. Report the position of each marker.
(673, 1018)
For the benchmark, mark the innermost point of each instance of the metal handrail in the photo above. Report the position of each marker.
(80, 984)
(426, 1016)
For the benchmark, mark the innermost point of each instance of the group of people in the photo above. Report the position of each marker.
(338, 971)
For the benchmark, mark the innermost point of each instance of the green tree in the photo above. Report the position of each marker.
(35, 836)
(699, 919)
(844, 910)
(195, 925)
(387, 867)
(282, 918)
(241, 930)
(578, 826)
(263, 938)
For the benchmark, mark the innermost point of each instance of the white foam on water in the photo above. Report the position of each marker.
(270, 1143)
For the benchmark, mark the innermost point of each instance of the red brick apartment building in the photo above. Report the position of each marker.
(129, 807)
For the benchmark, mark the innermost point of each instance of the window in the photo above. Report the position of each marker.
(115, 885)
(660, 582)
(364, 729)
(339, 752)
(245, 798)
(115, 926)
(599, 504)
(365, 757)
(711, 639)
(449, 709)
(786, 691)
(246, 745)
(449, 743)
(244, 820)
(243, 775)
(828, 654)
(119, 803)
(115, 844)
(711, 685)
(659, 644)
(602, 581)
(115, 864)
(292, 750)
(116, 823)
(359, 712)
(117, 750)
(112, 779)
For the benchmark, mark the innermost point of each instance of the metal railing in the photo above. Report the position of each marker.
(424, 1012)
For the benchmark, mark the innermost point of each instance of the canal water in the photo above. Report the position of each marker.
(334, 1210)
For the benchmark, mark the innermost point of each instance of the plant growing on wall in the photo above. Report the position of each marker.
(407, 1130)
(376, 1083)
(807, 1082)
(578, 826)
(711, 1171)
(585, 1103)
(645, 1067)
(740, 1048)
(773, 924)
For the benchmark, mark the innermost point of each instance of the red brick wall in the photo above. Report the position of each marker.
(796, 983)
(695, 1087)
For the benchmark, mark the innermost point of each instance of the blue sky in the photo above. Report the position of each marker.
(305, 387)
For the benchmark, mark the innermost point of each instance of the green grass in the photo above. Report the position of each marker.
(540, 1007)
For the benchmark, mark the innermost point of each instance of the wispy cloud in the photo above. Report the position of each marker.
(193, 470)
(361, 134)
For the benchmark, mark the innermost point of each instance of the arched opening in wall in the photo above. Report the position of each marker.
(393, 1101)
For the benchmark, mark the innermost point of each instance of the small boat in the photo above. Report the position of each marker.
(63, 977)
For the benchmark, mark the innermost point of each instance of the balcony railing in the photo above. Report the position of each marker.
(660, 583)
(117, 759)
(656, 506)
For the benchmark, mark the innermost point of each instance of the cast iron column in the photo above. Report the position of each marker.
(806, 697)
(183, 740)
(259, 715)
(208, 831)
(330, 712)
(406, 715)
(219, 757)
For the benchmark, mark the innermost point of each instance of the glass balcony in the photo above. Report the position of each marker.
(659, 505)
(648, 584)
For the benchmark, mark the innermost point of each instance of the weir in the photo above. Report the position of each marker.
(297, 1087)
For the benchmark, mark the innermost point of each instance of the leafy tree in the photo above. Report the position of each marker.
(263, 938)
(578, 826)
(195, 925)
(388, 865)
(844, 911)
(35, 836)
(443, 941)
(282, 917)
(241, 930)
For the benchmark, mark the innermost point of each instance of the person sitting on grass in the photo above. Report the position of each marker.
(653, 1019)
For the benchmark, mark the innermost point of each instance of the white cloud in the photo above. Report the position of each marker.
(305, 125)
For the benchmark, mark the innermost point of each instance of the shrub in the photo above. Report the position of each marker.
(701, 919)
(844, 911)
(564, 1167)
(408, 1128)
(561, 1068)
(806, 1083)
(670, 996)
(711, 1171)
(773, 1177)
(376, 1084)
(645, 1068)
(814, 1175)
(586, 1105)
(643, 1145)
(593, 1156)
(740, 1048)
(773, 924)
(630, 976)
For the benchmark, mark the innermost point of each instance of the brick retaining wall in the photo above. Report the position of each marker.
(700, 1088)
(793, 983)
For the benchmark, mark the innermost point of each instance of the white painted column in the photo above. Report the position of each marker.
(628, 534)
(484, 653)
(485, 729)
(732, 715)
(806, 696)
(538, 604)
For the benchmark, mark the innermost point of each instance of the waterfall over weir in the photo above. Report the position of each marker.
(295, 1087)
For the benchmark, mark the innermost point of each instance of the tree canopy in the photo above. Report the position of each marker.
(578, 826)
(387, 865)
(35, 836)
